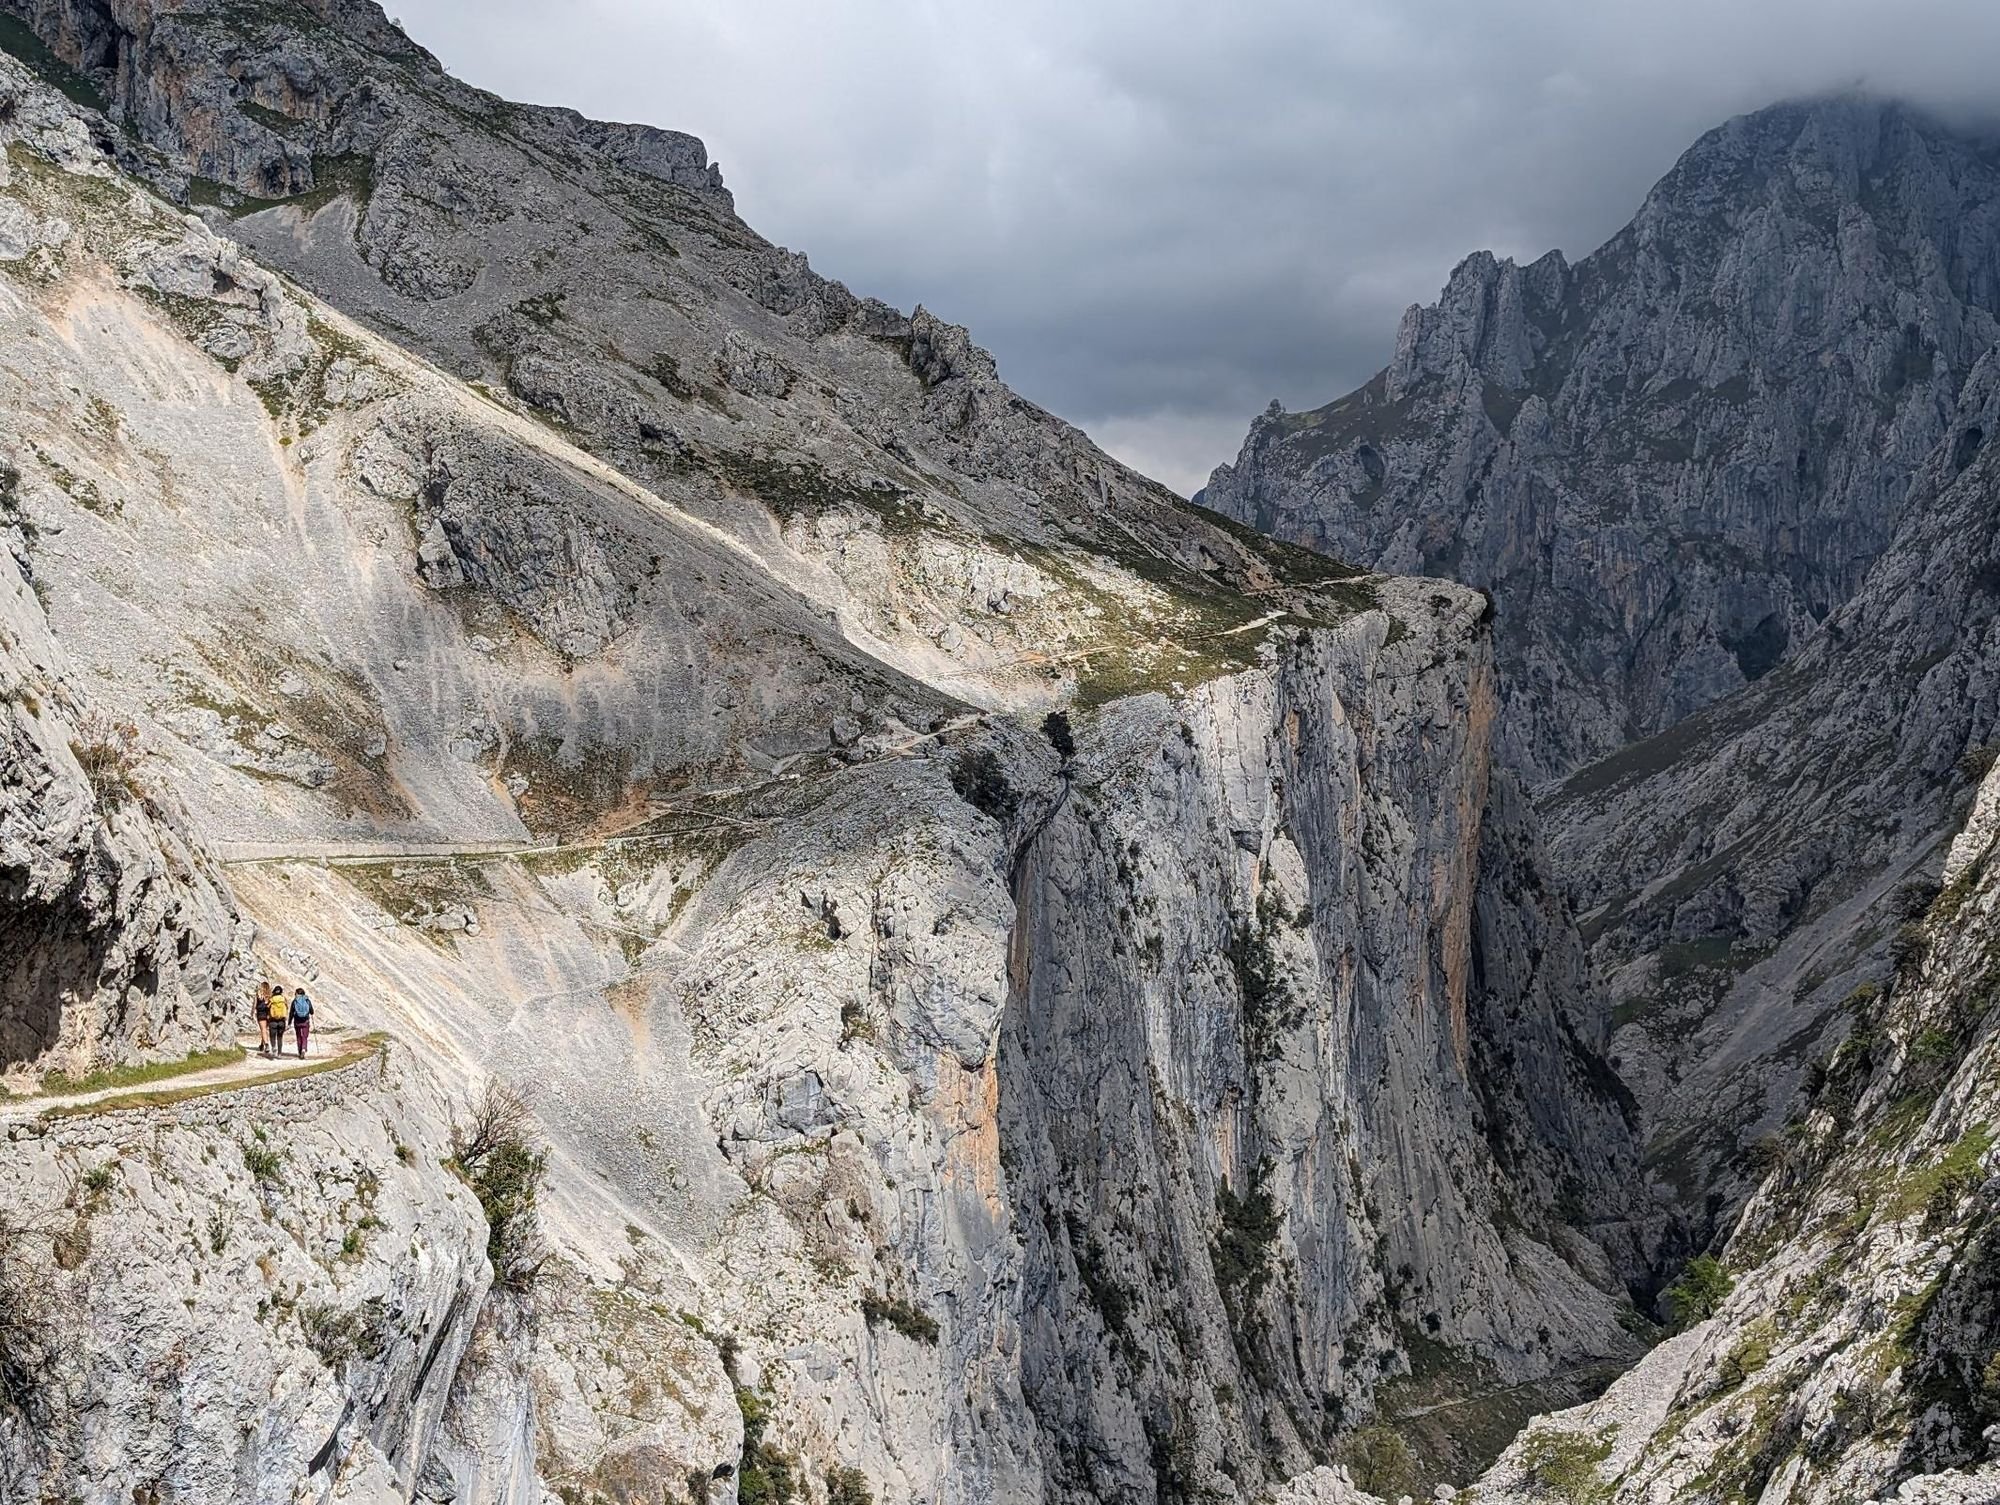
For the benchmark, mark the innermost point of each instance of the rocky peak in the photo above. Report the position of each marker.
(1491, 323)
(1672, 460)
(275, 98)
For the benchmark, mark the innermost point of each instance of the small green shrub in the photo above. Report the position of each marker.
(1379, 1461)
(979, 780)
(1750, 1354)
(1908, 943)
(848, 1486)
(1093, 1267)
(1241, 1256)
(266, 1164)
(108, 752)
(31, 1338)
(1056, 727)
(1699, 1292)
(338, 1336)
(911, 1321)
(1914, 897)
(1933, 1047)
(494, 1153)
(543, 309)
(767, 1475)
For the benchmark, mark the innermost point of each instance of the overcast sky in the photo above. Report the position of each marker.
(1160, 214)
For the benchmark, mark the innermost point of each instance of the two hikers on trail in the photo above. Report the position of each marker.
(274, 1011)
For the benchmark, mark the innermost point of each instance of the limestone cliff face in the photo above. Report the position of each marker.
(658, 718)
(1671, 461)
(1743, 873)
(1250, 1148)
(283, 1293)
(255, 1297)
(118, 940)
(1855, 1357)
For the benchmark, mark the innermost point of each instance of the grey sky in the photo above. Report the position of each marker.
(1160, 214)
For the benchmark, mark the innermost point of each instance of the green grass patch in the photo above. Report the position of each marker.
(409, 888)
(799, 488)
(1678, 958)
(1750, 1354)
(270, 119)
(1174, 629)
(1630, 1010)
(1290, 563)
(17, 39)
(333, 178)
(60, 1084)
(1565, 1464)
(1937, 1187)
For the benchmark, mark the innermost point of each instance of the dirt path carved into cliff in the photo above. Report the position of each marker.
(334, 1049)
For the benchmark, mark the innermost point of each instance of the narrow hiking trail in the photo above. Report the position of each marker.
(331, 1050)
(1588, 1373)
(687, 803)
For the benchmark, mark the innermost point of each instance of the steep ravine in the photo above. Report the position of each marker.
(1847, 1351)
(1271, 1138)
(1729, 481)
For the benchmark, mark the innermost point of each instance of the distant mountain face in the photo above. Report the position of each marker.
(1743, 872)
(1670, 462)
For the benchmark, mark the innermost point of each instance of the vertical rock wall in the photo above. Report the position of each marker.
(1251, 1142)
(118, 940)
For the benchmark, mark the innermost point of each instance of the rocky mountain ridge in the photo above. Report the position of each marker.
(647, 694)
(1710, 474)
(1671, 461)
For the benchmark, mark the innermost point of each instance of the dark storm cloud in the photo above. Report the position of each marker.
(1160, 215)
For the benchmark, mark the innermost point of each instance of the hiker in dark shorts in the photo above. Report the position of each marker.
(302, 1019)
(260, 1015)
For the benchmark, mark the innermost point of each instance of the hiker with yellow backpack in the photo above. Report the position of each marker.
(278, 1015)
